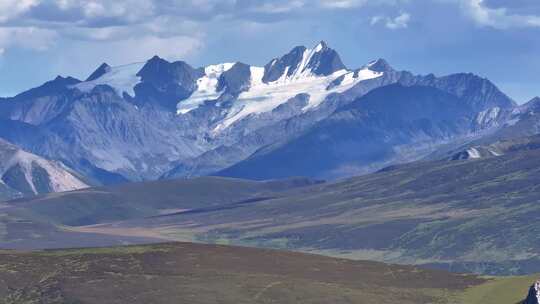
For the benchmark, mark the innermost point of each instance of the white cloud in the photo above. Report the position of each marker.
(342, 3)
(497, 17)
(27, 37)
(10, 9)
(142, 48)
(136, 49)
(130, 10)
(130, 27)
(399, 22)
(276, 8)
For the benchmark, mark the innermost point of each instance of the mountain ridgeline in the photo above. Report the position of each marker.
(302, 114)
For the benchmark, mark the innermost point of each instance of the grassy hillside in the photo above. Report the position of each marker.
(192, 273)
(97, 205)
(465, 216)
(475, 215)
(45, 221)
(498, 290)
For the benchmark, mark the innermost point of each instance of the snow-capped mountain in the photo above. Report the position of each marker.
(258, 90)
(318, 72)
(23, 173)
(168, 119)
(394, 123)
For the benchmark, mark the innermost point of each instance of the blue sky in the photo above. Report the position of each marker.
(497, 39)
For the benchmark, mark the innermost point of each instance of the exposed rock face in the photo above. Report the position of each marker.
(100, 71)
(165, 83)
(534, 294)
(235, 80)
(22, 173)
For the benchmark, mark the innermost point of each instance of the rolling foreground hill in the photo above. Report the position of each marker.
(194, 273)
(476, 215)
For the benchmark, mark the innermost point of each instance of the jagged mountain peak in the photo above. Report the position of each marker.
(320, 60)
(379, 65)
(162, 74)
(100, 71)
(157, 58)
(61, 80)
(235, 80)
(159, 70)
(324, 61)
(157, 63)
(322, 45)
(153, 65)
(241, 90)
(478, 92)
(50, 87)
(165, 83)
(534, 100)
(531, 106)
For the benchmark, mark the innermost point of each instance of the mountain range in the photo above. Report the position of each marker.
(302, 114)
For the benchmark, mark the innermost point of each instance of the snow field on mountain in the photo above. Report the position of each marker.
(122, 79)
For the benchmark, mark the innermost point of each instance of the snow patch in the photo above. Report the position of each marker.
(122, 79)
(512, 121)
(371, 63)
(206, 88)
(473, 153)
(488, 116)
(319, 47)
(494, 153)
(265, 97)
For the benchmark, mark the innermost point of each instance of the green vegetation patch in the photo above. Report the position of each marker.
(106, 250)
(500, 290)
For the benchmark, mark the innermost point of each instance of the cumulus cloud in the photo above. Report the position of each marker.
(278, 8)
(399, 22)
(499, 17)
(12, 8)
(135, 27)
(123, 21)
(26, 37)
(134, 49)
(342, 3)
